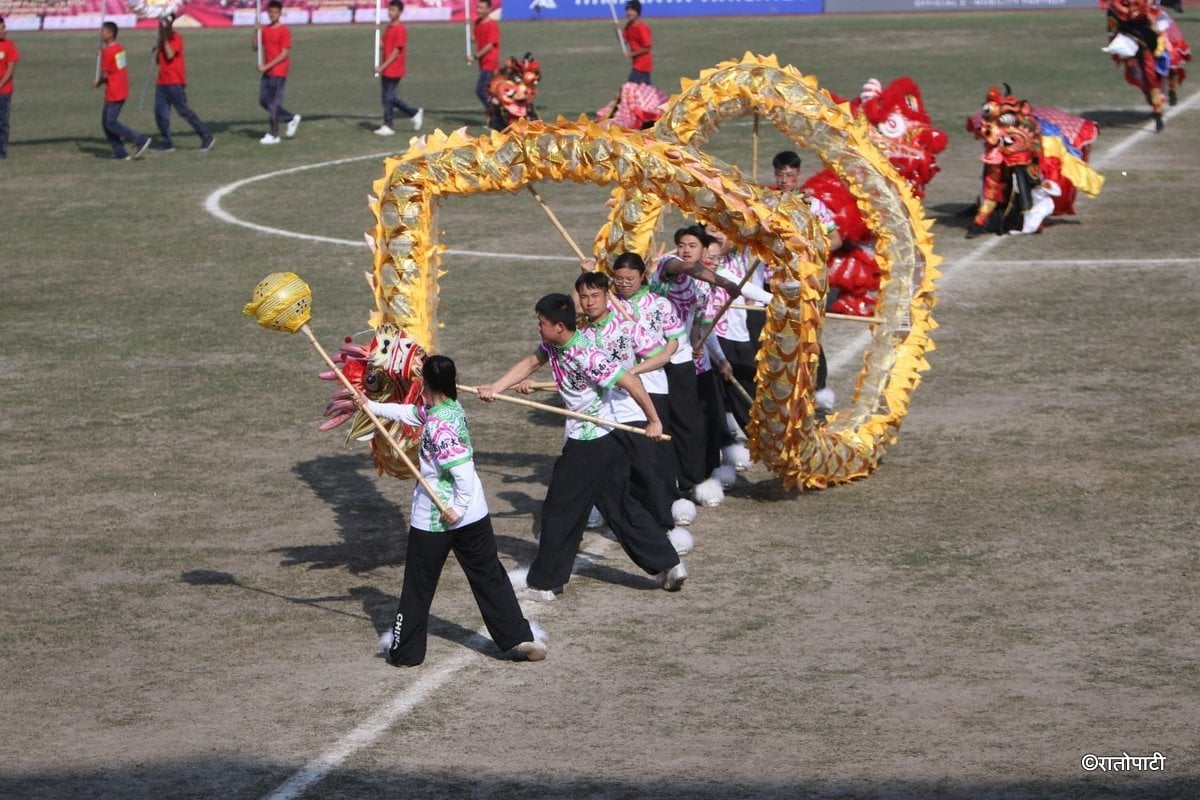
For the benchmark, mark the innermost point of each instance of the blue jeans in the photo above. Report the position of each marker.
(175, 96)
(5, 105)
(481, 87)
(389, 89)
(270, 97)
(117, 133)
(637, 76)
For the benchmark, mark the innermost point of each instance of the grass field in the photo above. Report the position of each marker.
(194, 578)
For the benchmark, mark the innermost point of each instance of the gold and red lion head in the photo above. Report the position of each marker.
(1009, 131)
(514, 87)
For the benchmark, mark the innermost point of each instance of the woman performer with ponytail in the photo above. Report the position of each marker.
(465, 527)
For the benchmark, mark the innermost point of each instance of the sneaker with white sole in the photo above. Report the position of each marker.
(292, 126)
(672, 580)
(142, 147)
(418, 119)
(268, 139)
(207, 144)
(536, 595)
(532, 651)
(384, 130)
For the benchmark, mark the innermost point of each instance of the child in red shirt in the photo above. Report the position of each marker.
(277, 58)
(487, 49)
(637, 36)
(8, 65)
(392, 69)
(170, 90)
(114, 75)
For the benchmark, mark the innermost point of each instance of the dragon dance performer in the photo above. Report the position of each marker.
(1033, 161)
(641, 352)
(593, 469)
(1144, 39)
(446, 461)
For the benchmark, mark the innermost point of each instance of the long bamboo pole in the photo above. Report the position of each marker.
(828, 314)
(376, 421)
(562, 412)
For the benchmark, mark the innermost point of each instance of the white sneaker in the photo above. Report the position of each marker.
(532, 651)
(418, 118)
(672, 580)
(292, 126)
(268, 139)
(384, 130)
(537, 595)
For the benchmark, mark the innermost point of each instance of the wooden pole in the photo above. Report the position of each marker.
(437, 501)
(554, 221)
(617, 29)
(828, 314)
(570, 242)
(725, 307)
(737, 387)
(754, 151)
(378, 34)
(562, 412)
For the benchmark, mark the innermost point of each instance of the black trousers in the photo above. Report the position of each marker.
(740, 356)
(595, 473)
(686, 424)
(646, 483)
(474, 546)
(711, 393)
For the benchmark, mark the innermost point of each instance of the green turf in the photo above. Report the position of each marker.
(1014, 587)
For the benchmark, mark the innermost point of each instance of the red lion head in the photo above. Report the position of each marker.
(902, 129)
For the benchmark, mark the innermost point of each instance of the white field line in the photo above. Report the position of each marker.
(371, 728)
(403, 702)
(212, 204)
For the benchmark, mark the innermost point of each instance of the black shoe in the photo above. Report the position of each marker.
(974, 231)
(1172, 97)
(163, 148)
(1158, 122)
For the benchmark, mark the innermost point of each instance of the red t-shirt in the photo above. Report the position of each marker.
(8, 56)
(114, 65)
(488, 32)
(395, 36)
(276, 39)
(172, 72)
(637, 35)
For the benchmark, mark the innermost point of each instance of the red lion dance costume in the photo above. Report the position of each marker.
(1146, 41)
(902, 129)
(637, 107)
(512, 90)
(1033, 160)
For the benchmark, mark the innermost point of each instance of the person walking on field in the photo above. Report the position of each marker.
(276, 60)
(8, 65)
(114, 76)
(170, 90)
(392, 69)
(593, 469)
(465, 526)
(637, 36)
(487, 50)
